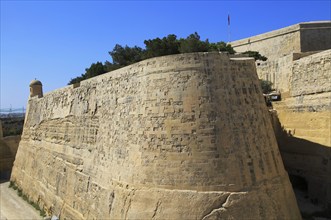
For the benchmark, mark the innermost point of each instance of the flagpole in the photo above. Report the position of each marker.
(229, 30)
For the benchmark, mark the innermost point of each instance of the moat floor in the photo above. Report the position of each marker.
(13, 207)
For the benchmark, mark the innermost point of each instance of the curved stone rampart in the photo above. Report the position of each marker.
(182, 136)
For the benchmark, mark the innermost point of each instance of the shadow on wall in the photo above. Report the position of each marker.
(6, 161)
(306, 161)
(8, 150)
(10, 135)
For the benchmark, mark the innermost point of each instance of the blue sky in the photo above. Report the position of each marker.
(55, 41)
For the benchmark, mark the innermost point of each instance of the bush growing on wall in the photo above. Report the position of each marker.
(266, 86)
(256, 55)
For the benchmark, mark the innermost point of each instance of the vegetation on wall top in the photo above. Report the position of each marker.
(125, 55)
(256, 55)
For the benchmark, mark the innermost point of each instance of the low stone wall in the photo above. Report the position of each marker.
(183, 136)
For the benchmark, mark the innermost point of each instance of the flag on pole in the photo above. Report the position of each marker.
(228, 19)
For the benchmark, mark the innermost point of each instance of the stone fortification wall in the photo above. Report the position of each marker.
(305, 118)
(280, 71)
(277, 71)
(300, 69)
(312, 75)
(284, 46)
(315, 36)
(272, 44)
(8, 149)
(310, 94)
(303, 37)
(6, 161)
(183, 136)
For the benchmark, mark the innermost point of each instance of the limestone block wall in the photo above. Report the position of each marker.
(280, 71)
(302, 37)
(273, 44)
(305, 116)
(182, 136)
(310, 97)
(277, 71)
(311, 75)
(315, 36)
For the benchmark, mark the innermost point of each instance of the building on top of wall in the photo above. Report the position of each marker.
(283, 46)
(298, 38)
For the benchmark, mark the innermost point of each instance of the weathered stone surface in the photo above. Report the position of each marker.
(283, 46)
(306, 112)
(178, 137)
(298, 38)
(311, 75)
(299, 66)
(304, 132)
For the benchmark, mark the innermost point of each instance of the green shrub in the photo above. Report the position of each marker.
(266, 86)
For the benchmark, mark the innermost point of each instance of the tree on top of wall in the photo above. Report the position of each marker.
(125, 55)
(160, 47)
(94, 70)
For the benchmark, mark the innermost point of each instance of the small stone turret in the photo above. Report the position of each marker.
(36, 88)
